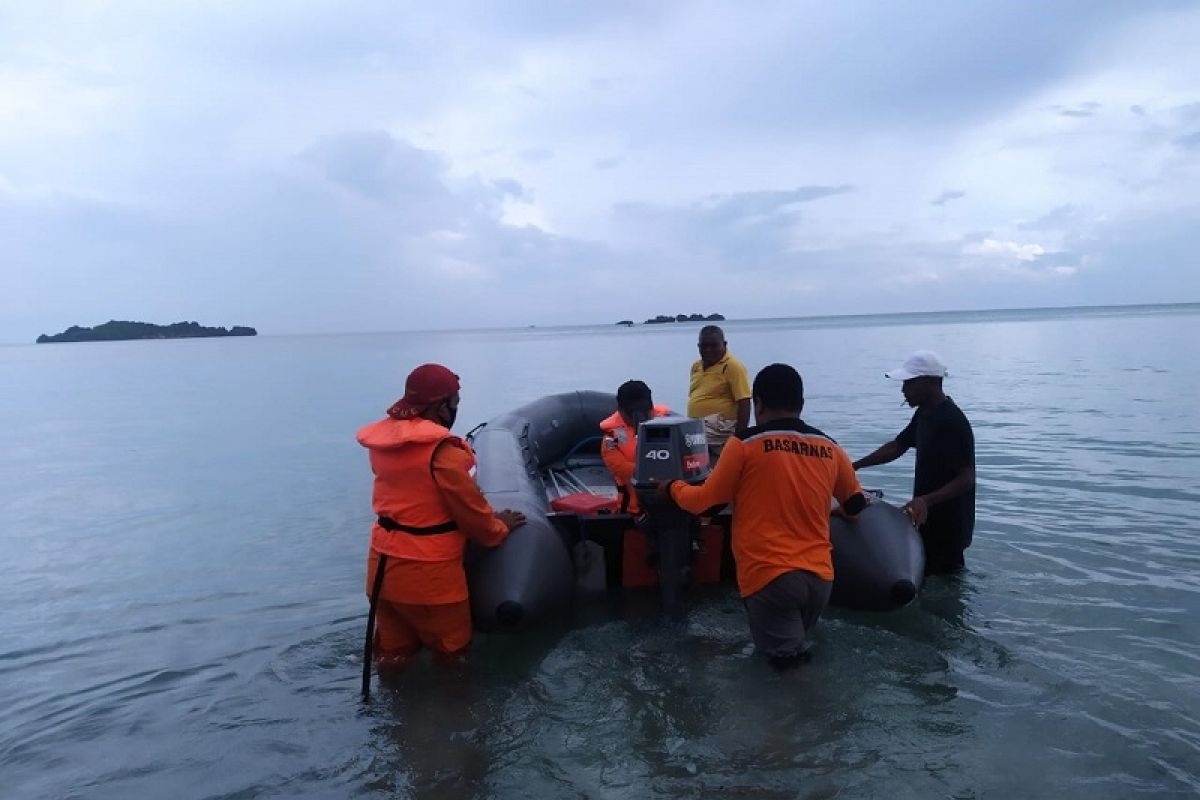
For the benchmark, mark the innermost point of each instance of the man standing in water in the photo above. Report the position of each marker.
(780, 475)
(943, 502)
(719, 390)
(427, 505)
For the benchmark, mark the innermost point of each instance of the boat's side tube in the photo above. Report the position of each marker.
(527, 579)
(878, 560)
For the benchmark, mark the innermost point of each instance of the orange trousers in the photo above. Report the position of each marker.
(402, 629)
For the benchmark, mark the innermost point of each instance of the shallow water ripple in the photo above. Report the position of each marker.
(183, 592)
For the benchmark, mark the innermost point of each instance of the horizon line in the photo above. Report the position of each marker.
(668, 325)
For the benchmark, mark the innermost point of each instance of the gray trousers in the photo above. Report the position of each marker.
(783, 612)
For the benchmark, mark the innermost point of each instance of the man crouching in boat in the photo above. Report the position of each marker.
(780, 476)
(428, 506)
(618, 447)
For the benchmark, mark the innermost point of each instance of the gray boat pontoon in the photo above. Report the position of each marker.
(543, 460)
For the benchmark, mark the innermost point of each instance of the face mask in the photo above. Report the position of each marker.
(450, 415)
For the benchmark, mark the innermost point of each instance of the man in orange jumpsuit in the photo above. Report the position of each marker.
(428, 506)
(618, 446)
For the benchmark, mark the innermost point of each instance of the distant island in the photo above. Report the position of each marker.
(662, 318)
(116, 331)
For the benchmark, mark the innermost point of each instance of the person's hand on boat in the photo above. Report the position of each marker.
(917, 511)
(513, 519)
(663, 492)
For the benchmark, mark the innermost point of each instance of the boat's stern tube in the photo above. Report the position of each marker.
(878, 560)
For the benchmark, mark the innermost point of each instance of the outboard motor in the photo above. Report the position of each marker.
(670, 448)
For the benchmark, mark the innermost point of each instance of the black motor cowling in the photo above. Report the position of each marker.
(670, 448)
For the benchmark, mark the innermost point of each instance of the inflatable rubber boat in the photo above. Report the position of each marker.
(543, 459)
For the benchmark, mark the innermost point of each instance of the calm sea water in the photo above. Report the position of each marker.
(183, 526)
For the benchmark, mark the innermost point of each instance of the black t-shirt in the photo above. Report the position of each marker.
(945, 445)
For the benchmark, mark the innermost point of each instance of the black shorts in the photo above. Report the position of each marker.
(943, 554)
(782, 613)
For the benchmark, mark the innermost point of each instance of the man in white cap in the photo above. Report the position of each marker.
(943, 501)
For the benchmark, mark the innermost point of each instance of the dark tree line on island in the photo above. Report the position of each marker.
(662, 318)
(115, 331)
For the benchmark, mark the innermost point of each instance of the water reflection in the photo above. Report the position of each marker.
(636, 705)
(440, 731)
(430, 735)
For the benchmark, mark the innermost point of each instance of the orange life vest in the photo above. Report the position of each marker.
(413, 522)
(619, 435)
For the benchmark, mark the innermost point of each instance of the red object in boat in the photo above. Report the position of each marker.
(585, 504)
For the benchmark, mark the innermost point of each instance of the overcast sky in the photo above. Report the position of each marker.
(350, 166)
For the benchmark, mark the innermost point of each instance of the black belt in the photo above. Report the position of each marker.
(391, 526)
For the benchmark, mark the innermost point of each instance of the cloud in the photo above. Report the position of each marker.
(1187, 113)
(352, 218)
(1087, 109)
(947, 196)
(536, 155)
(1189, 142)
(738, 231)
(995, 247)
(760, 203)
(288, 166)
(1058, 218)
(730, 211)
(377, 167)
(513, 188)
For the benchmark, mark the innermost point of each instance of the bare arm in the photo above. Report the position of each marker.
(962, 483)
(743, 418)
(918, 508)
(885, 454)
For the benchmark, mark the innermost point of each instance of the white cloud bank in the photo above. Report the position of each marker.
(1021, 252)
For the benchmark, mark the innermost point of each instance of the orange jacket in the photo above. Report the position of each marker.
(619, 451)
(425, 492)
(780, 477)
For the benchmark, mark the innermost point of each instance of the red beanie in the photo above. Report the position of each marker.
(426, 385)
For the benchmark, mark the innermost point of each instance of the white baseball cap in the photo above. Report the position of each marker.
(921, 364)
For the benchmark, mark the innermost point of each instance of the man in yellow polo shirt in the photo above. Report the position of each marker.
(719, 391)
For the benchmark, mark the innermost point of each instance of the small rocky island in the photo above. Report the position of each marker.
(116, 331)
(662, 318)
